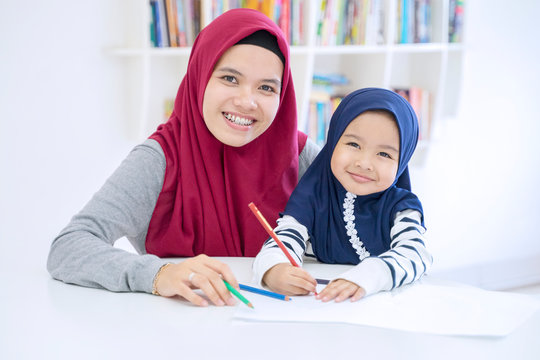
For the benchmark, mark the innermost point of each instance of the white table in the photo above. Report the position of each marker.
(42, 318)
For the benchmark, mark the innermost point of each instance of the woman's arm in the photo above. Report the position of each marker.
(308, 154)
(83, 252)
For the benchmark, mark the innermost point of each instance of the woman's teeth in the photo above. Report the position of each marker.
(238, 120)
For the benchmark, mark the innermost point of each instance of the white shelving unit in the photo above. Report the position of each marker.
(154, 74)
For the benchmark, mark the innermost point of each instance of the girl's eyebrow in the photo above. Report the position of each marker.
(236, 72)
(384, 146)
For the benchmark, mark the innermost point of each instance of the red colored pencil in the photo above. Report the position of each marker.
(271, 232)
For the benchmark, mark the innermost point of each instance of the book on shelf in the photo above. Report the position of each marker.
(159, 24)
(420, 100)
(325, 97)
(287, 14)
(174, 23)
(350, 22)
(168, 107)
(455, 20)
(413, 21)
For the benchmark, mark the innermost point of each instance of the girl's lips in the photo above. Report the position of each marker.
(360, 178)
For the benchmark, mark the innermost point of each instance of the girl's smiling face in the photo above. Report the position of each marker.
(242, 96)
(366, 157)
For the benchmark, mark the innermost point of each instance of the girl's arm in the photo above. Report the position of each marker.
(406, 261)
(285, 277)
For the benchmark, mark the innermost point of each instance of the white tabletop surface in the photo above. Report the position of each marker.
(42, 318)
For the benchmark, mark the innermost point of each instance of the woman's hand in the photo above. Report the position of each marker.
(341, 290)
(199, 272)
(289, 280)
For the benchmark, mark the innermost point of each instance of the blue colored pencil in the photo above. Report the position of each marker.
(264, 292)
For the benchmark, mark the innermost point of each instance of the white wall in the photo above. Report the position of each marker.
(480, 184)
(62, 133)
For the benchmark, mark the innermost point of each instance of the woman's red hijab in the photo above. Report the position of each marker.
(203, 205)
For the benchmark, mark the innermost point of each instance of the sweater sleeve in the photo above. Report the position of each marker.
(293, 235)
(405, 262)
(306, 157)
(83, 252)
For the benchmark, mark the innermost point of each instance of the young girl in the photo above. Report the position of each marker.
(184, 192)
(354, 205)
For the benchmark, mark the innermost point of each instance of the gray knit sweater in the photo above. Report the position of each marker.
(83, 252)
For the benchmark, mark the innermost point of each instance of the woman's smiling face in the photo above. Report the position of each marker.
(242, 96)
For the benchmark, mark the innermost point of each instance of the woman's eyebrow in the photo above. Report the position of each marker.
(231, 70)
(273, 81)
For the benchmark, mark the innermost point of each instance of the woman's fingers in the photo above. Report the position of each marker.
(211, 274)
(225, 271)
(191, 296)
(202, 282)
(199, 272)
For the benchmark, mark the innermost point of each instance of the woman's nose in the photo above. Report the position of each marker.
(245, 100)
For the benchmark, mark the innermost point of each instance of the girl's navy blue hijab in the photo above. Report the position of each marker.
(317, 201)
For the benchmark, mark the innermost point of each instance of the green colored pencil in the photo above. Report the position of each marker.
(238, 295)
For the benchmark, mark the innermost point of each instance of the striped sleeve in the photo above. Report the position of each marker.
(406, 260)
(293, 235)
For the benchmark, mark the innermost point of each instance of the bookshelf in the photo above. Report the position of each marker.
(152, 74)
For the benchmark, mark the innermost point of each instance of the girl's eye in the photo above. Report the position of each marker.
(229, 78)
(386, 155)
(354, 145)
(268, 88)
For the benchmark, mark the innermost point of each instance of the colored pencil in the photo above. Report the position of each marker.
(238, 295)
(271, 232)
(264, 292)
(322, 281)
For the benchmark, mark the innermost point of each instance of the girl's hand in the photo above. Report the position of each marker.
(199, 272)
(289, 280)
(341, 290)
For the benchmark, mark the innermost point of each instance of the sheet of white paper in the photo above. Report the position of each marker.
(428, 306)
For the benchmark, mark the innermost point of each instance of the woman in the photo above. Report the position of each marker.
(232, 139)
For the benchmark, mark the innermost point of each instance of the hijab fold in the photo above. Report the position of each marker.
(317, 202)
(203, 205)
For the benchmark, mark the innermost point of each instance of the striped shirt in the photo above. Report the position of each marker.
(406, 260)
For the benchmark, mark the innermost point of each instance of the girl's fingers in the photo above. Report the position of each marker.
(339, 289)
(346, 293)
(300, 283)
(360, 293)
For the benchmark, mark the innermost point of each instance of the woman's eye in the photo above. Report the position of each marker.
(229, 78)
(354, 145)
(268, 88)
(386, 155)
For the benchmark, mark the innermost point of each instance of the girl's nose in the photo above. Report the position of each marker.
(363, 161)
